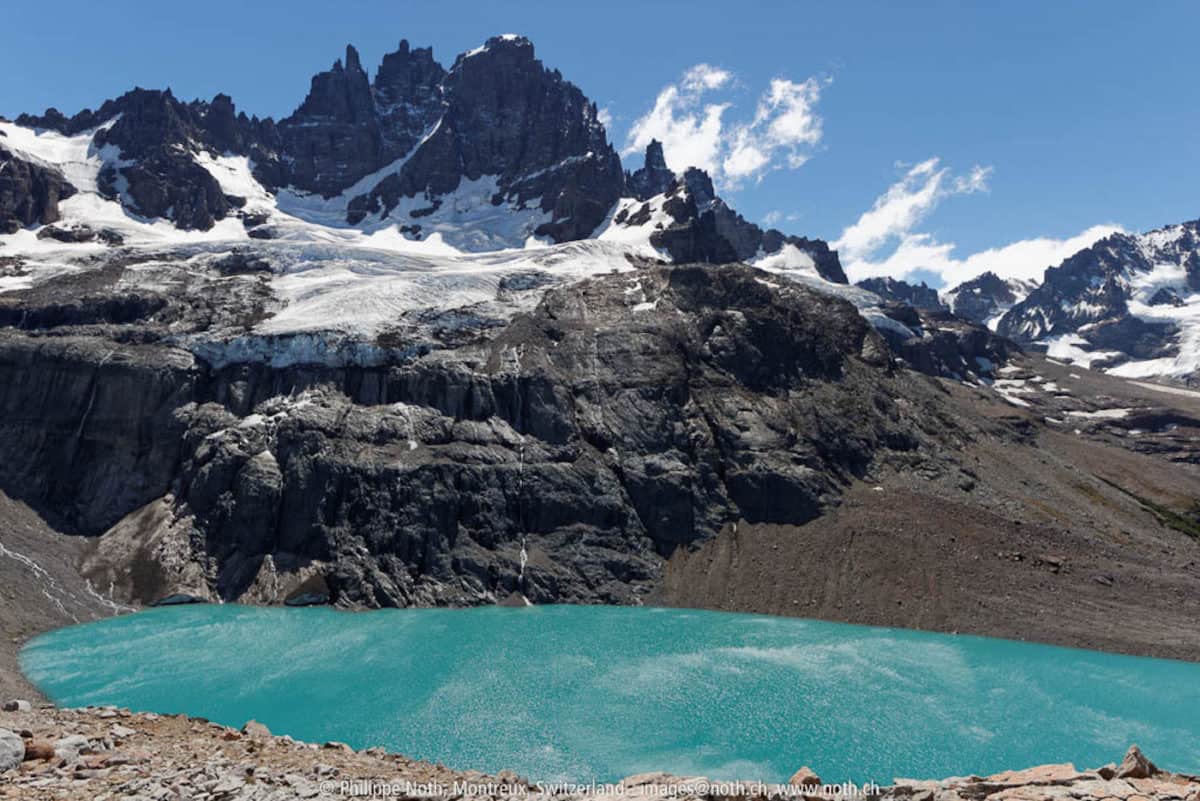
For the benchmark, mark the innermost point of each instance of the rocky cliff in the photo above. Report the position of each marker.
(562, 455)
(29, 192)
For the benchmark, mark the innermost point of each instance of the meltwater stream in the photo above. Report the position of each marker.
(599, 693)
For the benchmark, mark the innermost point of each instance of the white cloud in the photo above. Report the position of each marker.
(1025, 259)
(704, 77)
(892, 221)
(605, 117)
(905, 204)
(775, 216)
(695, 133)
(691, 134)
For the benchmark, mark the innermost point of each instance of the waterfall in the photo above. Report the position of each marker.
(524, 557)
(50, 586)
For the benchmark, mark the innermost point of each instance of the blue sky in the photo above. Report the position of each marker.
(1046, 118)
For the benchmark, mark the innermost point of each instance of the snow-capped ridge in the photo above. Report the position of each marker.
(1129, 304)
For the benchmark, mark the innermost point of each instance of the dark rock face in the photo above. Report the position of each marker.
(408, 96)
(919, 296)
(507, 115)
(695, 234)
(944, 345)
(172, 186)
(596, 438)
(29, 193)
(706, 229)
(86, 480)
(1086, 288)
(985, 297)
(158, 135)
(334, 137)
(1090, 293)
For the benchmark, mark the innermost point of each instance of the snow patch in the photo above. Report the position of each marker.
(1102, 414)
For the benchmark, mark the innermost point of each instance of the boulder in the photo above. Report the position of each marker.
(71, 234)
(313, 591)
(805, 777)
(69, 748)
(18, 705)
(120, 732)
(255, 729)
(1135, 765)
(12, 750)
(39, 749)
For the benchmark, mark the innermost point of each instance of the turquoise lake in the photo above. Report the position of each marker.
(599, 693)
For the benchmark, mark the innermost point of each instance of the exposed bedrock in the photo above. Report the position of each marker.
(29, 192)
(563, 457)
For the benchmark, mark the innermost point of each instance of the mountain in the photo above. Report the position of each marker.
(987, 297)
(918, 296)
(1129, 304)
(413, 137)
(426, 342)
(495, 152)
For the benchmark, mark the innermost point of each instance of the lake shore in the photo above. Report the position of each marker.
(106, 752)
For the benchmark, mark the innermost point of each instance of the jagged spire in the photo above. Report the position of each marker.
(655, 177)
(655, 160)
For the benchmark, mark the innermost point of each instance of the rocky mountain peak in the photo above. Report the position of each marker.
(334, 137)
(341, 94)
(508, 49)
(919, 296)
(408, 75)
(149, 119)
(512, 134)
(707, 229)
(655, 160)
(986, 297)
(1125, 303)
(353, 64)
(700, 186)
(501, 114)
(654, 178)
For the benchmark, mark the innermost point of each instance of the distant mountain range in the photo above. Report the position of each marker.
(1129, 304)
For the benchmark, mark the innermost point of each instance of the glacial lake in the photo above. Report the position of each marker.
(599, 693)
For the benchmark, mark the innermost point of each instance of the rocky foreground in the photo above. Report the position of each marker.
(109, 753)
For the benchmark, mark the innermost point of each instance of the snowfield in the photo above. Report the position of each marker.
(336, 286)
